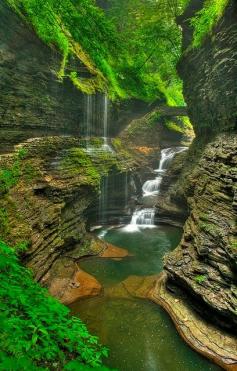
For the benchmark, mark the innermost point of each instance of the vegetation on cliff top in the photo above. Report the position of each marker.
(131, 50)
(138, 61)
(206, 18)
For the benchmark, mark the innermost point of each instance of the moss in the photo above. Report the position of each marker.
(91, 167)
(209, 228)
(77, 162)
(200, 278)
(205, 20)
(4, 222)
(172, 126)
(233, 243)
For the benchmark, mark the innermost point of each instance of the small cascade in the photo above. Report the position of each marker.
(153, 186)
(167, 156)
(141, 218)
(145, 217)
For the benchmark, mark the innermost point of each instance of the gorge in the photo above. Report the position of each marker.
(118, 172)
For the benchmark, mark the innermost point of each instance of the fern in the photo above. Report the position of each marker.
(34, 323)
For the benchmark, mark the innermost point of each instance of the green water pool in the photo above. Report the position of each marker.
(140, 335)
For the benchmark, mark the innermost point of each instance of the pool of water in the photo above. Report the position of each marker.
(140, 335)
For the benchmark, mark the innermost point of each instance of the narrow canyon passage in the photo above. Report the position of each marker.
(118, 185)
(139, 334)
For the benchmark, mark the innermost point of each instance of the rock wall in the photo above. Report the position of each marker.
(45, 208)
(209, 73)
(204, 264)
(31, 95)
(33, 101)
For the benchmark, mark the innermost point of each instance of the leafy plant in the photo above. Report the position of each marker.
(206, 18)
(10, 175)
(36, 324)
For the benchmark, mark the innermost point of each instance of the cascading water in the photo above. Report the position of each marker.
(88, 121)
(96, 120)
(103, 201)
(145, 216)
(153, 186)
(105, 115)
(89, 114)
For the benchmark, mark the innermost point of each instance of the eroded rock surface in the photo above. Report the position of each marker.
(207, 339)
(205, 261)
(46, 208)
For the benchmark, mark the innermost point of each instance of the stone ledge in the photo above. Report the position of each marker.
(205, 338)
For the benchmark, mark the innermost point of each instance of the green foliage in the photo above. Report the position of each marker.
(173, 126)
(151, 43)
(200, 278)
(29, 171)
(4, 222)
(21, 247)
(77, 162)
(134, 47)
(37, 332)
(10, 175)
(206, 19)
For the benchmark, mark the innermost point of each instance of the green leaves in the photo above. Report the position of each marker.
(9, 176)
(206, 18)
(132, 49)
(32, 322)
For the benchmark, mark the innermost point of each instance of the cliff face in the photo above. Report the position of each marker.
(205, 263)
(45, 208)
(33, 101)
(31, 96)
(209, 73)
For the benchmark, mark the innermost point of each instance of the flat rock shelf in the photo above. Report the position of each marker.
(205, 338)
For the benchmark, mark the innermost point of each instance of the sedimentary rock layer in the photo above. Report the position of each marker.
(204, 264)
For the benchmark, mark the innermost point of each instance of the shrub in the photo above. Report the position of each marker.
(36, 324)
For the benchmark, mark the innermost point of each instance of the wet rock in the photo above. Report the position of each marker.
(208, 243)
(81, 285)
(113, 252)
(201, 335)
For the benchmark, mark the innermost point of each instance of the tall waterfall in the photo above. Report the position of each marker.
(103, 201)
(96, 118)
(105, 120)
(145, 216)
(89, 116)
(105, 116)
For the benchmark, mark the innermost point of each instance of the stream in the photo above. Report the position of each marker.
(139, 333)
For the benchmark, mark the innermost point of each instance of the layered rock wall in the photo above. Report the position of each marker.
(32, 97)
(204, 264)
(210, 71)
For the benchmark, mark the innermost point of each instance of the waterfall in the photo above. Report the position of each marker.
(167, 155)
(103, 201)
(105, 120)
(145, 216)
(153, 186)
(89, 116)
(105, 116)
